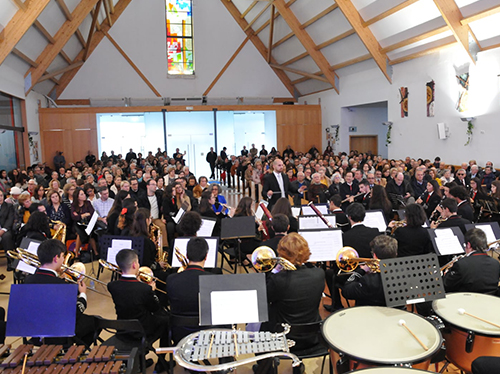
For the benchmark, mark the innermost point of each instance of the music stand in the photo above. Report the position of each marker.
(230, 299)
(42, 310)
(323, 243)
(411, 280)
(447, 248)
(106, 241)
(375, 218)
(238, 228)
(491, 229)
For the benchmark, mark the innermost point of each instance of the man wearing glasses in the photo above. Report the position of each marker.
(461, 178)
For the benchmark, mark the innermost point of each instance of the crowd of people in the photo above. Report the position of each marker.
(132, 194)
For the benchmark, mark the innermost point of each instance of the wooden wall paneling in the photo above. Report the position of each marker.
(51, 142)
(84, 140)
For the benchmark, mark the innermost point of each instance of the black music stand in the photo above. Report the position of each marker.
(237, 228)
(446, 251)
(106, 241)
(42, 310)
(411, 280)
(251, 289)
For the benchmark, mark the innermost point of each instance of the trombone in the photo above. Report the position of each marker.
(144, 275)
(72, 274)
(348, 260)
(264, 259)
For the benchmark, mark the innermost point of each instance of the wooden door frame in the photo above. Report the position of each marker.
(363, 136)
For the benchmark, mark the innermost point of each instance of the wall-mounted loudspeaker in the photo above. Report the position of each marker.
(441, 127)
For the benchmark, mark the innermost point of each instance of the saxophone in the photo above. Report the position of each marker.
(60, 233)
(156, 237)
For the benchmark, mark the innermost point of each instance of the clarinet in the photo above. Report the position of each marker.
(266, 211)
(320, 215)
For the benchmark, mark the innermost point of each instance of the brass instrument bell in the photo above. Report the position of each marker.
(264, 259)
(348, 260)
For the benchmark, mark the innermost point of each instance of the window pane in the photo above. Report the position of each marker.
(179, 37)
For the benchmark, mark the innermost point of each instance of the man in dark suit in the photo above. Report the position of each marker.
(364, 188)
(448, 210)
(418, 182)
(51, 256)
(211, 159)
(153, 201)
(183, 288)
(276, 184)
(348, 188)
(136, 300)
(359, 238)
(130, 156)
(7, 215)
(280, 225)
(365, 286)
(464, 209)
(476, 272)
(462, 179)
(298, 188)
(399, 190)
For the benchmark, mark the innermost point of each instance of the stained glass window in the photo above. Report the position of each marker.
(180, 37)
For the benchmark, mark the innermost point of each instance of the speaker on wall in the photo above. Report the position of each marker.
(441, 127)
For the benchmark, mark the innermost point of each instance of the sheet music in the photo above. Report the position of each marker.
(375, 219)
(116, 246)
(206, 228)
(179, 215)
(230, 307)
(92, 223)
(314, 222)
(449, 245)
(444, 233)
(490, 235)
(260, 212)
(308, 211)
(181, 243)
(22, 266)
(323, 244)
(296, 211)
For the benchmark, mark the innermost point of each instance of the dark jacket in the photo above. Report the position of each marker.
(271, 183)
(359, 237)
(413, 241)
(365, 289)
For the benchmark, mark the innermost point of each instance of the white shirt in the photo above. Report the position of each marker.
(279, 178)
(155, 212)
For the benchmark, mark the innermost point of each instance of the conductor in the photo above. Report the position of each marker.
(276, 184)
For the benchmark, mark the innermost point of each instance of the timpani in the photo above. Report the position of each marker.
(371, 336)
(468, 337)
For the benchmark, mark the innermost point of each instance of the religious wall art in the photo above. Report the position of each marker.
(463, 92)
(430, 98)
(403, 93)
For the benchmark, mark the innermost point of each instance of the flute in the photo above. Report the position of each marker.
(266, 211)
(320, 215)
(355, 196)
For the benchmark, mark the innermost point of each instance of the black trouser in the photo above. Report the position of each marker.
(212, 169)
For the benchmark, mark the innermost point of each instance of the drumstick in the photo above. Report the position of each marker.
(403, 323)
(24, 362)
(462, 312)
(210, 346)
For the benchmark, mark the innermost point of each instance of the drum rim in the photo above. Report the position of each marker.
(461, 328)
(427, 357)
(394, 369)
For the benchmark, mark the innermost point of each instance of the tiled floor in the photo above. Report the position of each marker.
(103, 306)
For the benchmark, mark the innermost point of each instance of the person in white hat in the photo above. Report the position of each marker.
(14, 195)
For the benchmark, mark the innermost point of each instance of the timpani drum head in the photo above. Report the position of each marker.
(483, 306)
(374, 334)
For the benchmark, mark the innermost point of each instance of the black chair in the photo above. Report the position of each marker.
(128, 334)
(309, 331)
(190, 323)
(231, 253)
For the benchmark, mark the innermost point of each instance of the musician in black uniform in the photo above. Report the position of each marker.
(136, 300)
(280, 225)
(464, 209)
(413, 239)
(448, 210)
(365, 285)
(431, 198)
(51, 255)
(340, 217)
(476, 272)
(365, 190)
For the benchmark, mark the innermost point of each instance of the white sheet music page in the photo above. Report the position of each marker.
(490, 235)
(314, 222)
(376, 220)
(230, 307)
(206, 229)
(116, 246)
(449, 245)
(308, 211)
(22, 266)
(323, 244)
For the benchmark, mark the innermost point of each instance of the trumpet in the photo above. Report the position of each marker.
(73, 274)
(348, 260)
(264, 259)
(182, 259)
(143, 276)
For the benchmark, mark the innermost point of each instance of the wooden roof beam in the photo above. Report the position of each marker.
(307, 43)
(44, 32)
(257, 16)
(389, 12)
(299, 72)
(260, 46)
(421, 53)
(60, 71)
(92, 28)
(18, 25)
(271, 31)
(111, 7)
(480, 15)
(29, 61)
(66, 78)
(276, 15)
(366, 36)
(108, 13)
(61, 38)
(64, 9)
(415, 39)
(452, 16)
(247, 10)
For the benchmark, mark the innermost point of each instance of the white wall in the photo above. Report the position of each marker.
(32, 118)
(141, 33)
(416, 135)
